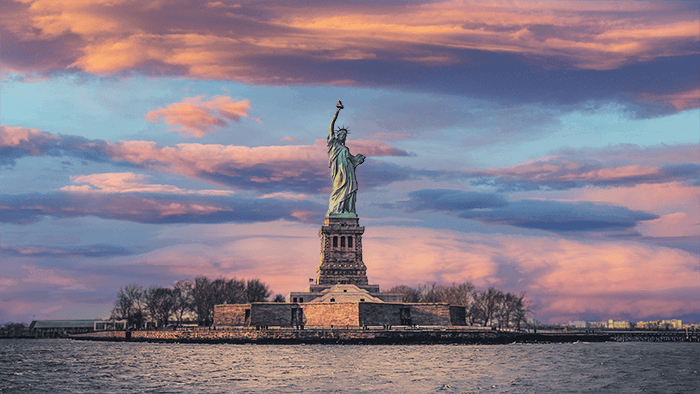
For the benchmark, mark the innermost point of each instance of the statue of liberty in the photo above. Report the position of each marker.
(342, 165)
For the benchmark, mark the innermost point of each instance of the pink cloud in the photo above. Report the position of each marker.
(232, 43)
(37, 275)
(32, 141)
(564, 277)
(194, 117)
(625, 154)
(675, 202)
(298, 167)
(626, 165)
(127, 182)
(681, 101)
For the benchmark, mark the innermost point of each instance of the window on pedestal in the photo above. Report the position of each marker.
(342, 242)
(335, 242)
(349, 242)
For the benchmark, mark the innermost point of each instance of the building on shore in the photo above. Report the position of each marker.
(76, 326)
(341, 295)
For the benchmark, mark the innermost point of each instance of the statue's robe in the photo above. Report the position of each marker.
(342, 165)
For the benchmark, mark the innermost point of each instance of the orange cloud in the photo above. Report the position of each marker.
(291, 167)
(676, 203)
(195, 159)
(576, 169)
(681, 101)
(231, 42)
(127, 182)
(31, 141)
(194, 117)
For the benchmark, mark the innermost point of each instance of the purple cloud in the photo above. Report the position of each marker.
(152, 208)
(267, 169)
(553, 216)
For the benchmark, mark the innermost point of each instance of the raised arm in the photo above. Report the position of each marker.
(339, 106)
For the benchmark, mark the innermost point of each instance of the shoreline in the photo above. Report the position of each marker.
(359, 336)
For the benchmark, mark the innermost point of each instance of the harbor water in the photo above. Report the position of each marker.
(66, 366)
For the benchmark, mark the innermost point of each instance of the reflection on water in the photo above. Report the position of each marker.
(61, 365)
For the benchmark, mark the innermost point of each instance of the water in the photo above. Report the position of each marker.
(65, 366)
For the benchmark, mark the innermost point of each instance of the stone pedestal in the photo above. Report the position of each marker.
(341, 253)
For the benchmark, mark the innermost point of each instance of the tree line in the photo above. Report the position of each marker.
(486, 307)
(195, 299)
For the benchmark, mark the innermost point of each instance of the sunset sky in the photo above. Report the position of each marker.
(545, 147)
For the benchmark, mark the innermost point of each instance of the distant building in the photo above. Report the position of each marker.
(596, 324)
(76, 326)
(672, 324)
(618, 324)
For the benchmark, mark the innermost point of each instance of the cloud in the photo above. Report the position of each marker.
(553, 216)
(681, 101)
(625, 166)
(149, 208)
(453, 200)
(561, 216)
(194, 117)
(295, 168)
(566, 279)
(90, 251)
(16, 142)
(569, 52)
(390, 136)
(127, 182)
(676, 203)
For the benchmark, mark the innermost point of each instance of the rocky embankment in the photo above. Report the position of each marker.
(339, 336)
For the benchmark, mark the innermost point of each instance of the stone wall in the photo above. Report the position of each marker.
(458, 315)
(230, 315)
(430, 314)
(336, 314)
(379, 314)
(272, 314)
(259, 314)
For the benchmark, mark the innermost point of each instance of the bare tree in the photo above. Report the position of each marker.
(474, 314)
(207, 293)
(279, 298)
(409, 294)
(487, 303)
(182, 293)
(202, 298)
(229, 291)
(508, 309)
(160, 302)
(257, 291)
(432, 293)
(130, 306)
(460, 295)
(525, 307)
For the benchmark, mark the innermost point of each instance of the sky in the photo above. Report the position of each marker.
(542, 147)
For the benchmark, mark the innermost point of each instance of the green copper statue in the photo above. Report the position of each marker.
(342, 165)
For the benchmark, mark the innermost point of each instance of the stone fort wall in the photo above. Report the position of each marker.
(338, 314)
